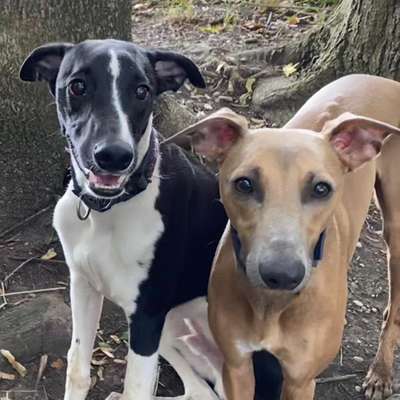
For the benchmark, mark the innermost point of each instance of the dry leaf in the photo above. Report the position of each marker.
(119, 361)
(107, 351)
(100, 373)
(217, 28)
(115, 338)
(250, 84)
(289, 69)
(293, 20)
(49, 255)
(101, 361)
(14, 363)
(7, 377)
(93, 381)
(57, 364)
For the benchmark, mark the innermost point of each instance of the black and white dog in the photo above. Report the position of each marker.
(139, 222)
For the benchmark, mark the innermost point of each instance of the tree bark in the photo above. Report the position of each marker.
(32, 159)
(360, 37)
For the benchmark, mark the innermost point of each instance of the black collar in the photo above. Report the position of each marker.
(237, 246)
(136, 184)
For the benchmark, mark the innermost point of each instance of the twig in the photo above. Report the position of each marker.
(23, 222)
(42, 366)
(34, 291)
(45, 392)
(336, 378)
(40, 260)
(17, 269)
(3, 294)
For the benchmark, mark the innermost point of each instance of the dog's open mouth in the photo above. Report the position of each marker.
(106, 184)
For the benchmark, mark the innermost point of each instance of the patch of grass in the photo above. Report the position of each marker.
(180, 10)
(318, 3)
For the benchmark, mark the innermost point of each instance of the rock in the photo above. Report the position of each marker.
(171, 117)
(358, 303)
(41, 325)
(263, 102)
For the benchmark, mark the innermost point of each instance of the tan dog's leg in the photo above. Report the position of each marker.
(239, 383)
(296, 391)
(378, 384)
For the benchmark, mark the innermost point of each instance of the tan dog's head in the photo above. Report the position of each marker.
(280, 187)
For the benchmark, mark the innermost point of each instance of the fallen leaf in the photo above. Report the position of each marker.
(7, 377)
(49, 255)
(115, 338)
(289, 69)
(101, 361)
(14, 363)
(253, 26)
(250, 84)
(93, 381)
(107, 351)
(244, 98)
(57, 364)
(119, 361)
(100, 373)
(293, 20)
(217, 28)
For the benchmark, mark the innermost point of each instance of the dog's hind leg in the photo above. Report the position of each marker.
(86, 305)
(378, 383)
(182, 357)
(195, 387)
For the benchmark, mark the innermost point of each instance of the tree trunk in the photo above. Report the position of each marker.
(360, 37)
(32, 160)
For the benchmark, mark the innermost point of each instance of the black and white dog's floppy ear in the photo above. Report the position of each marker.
(172, 69)
(43, 63)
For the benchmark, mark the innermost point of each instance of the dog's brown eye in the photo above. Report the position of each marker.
(141, 92)
(322, 190)
(77, 87)
(244, 185)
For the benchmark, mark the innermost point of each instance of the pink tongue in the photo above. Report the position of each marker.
(104, 180)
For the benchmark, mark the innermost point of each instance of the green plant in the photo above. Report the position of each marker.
(180, 10)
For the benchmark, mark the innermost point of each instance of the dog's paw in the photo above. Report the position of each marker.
(114, 396)
(378, 384)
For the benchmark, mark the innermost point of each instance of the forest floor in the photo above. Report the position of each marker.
(215, 34)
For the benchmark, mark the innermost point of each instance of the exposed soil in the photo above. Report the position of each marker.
(154, 25)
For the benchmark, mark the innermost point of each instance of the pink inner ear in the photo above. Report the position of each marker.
(342, 140)
(225, 134)
(356, 145)
(215, 139)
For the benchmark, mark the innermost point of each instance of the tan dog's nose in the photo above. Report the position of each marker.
(281, 271)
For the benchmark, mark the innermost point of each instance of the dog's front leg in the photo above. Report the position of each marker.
(239, 382)
(86, 305)
(145, 334)
(298, 390)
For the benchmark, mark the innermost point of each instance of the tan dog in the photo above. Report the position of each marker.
(285, 191)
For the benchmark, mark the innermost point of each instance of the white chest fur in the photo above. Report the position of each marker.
(112, 250)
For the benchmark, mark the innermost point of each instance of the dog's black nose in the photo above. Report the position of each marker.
(283, 273)
(113, 157)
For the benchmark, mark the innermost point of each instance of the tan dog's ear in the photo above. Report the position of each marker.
(357, 139)
(213, 136)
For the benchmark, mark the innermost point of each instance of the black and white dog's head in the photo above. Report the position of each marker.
(104, 91)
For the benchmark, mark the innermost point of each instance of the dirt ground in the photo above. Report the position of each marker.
(212, 34)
